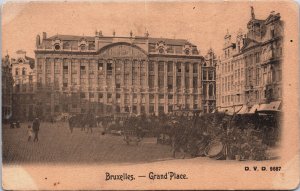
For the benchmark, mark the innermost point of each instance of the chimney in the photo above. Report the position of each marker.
(44, 35)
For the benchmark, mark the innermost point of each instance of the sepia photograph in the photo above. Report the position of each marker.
(150, 95)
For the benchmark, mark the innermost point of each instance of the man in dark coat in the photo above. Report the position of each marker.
(36, 128)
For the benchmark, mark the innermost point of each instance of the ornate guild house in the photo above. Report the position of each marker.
(249, 75)
(110, 74)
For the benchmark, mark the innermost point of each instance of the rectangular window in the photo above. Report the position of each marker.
(100, 66)
(118, 66)
(170, 66)
(187, 67)
(126, 79)
(91, 95)
(195, 68)
(151, 67)
(195, 82)
(82, 95)
(57, 66)
(160, 81)
(178, 67)
(211, 75)
(178, 82)
(160, 66)
(170, 82)
(151, 81)
(109, 67)
(204, 75)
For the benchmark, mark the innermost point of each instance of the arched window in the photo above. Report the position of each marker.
(23, 71)
(211, 90)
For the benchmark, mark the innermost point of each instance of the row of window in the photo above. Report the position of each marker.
(108, 108)
(17, 71)
(128, 66)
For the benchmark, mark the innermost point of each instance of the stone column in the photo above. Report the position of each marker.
(122, 104)
(104, 74)
(69, 62)
(139, 87)
(52, 76)
(130, 87)
(199, 84)
(191, 77)
(60, 75)
(183, 84)
(174, 85)
(78, 73)
(147, 88)
(156, 101)
(113, 88)
(166, 87)
(87, 64)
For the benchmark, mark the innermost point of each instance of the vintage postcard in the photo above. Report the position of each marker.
(146, 95)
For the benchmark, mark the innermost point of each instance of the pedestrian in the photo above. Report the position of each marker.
(36, 128)
(18, 124)
(30, 132)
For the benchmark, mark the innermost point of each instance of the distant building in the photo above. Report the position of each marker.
(110, 74)
(7, 87)
(249, 74)
(209, 82)
(24, 82)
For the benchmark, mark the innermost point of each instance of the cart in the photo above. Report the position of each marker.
(132, 136)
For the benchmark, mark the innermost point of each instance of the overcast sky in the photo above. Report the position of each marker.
(202, 23)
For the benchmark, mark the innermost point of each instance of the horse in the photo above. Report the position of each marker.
(83, 121)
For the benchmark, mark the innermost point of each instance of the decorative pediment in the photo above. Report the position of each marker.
(161, 47)
(57, 44)
(187, 49)
(267, 52)
(122, 51)
(83, 44)
(249, 43)
(272, 17)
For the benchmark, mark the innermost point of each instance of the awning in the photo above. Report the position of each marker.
(254, 108)
(273, 106)
(243, 110)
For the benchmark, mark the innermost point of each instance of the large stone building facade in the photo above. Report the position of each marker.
(7, 88)
(23, 106)
(209, 82)
(110, 74)
(249, 73)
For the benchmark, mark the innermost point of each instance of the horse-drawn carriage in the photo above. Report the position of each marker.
(83, 121)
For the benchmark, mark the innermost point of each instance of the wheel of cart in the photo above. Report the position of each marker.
(132, 136)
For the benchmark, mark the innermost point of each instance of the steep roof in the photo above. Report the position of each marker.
(249, 43)
(176, 42)
(71, 37)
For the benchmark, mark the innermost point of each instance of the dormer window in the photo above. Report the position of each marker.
(23, 71)
(66, 45)
(82, 47)
(161, 50)
(187, 51)
(92, 46)
(57, 47)
(20, 61)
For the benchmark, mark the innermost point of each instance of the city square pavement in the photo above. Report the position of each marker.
(57, 145)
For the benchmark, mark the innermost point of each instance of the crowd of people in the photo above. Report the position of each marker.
(242, 137)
